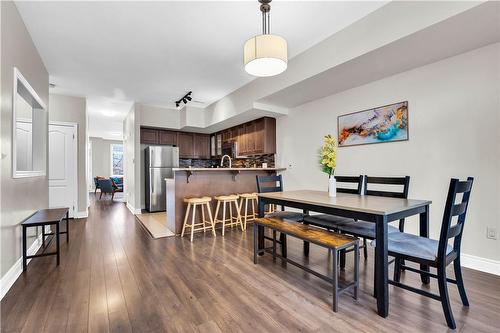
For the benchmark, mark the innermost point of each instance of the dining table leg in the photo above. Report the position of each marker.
(381, 267)
(424, 232)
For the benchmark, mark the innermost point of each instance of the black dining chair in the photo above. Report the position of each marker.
(348, 184)
(436, 253)
(366, 230)
(266, 184)
(330, 221)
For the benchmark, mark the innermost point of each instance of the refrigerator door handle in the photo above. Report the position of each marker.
(151, 183)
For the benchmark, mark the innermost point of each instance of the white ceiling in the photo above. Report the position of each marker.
(155, 52)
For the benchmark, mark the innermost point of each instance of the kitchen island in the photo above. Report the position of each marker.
(210, 182)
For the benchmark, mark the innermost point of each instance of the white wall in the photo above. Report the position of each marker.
(454, 121)
(74, 110)
(158, 117)
(20, 197)
(129, 139)
(101, 157)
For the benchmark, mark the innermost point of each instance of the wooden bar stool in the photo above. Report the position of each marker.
(203, 202)
(245, 215)
(228, 200)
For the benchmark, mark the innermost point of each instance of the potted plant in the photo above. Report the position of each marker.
(328, 158)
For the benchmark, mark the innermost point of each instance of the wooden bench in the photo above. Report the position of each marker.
(43, 218)
(333, 241)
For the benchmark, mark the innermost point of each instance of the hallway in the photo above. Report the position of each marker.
(114, 277)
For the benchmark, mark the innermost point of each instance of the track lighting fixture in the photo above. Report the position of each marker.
(184, 99)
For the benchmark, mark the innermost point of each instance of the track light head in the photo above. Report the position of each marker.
(184, 99)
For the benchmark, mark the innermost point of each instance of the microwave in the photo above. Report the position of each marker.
(231, 149)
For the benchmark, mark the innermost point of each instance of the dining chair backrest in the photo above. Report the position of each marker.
(96, 182)
(267, 184)
(402, 181)
(451, 210)
(350, 180)
(105, 185)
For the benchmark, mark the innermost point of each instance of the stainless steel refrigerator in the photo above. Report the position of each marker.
(159, 162)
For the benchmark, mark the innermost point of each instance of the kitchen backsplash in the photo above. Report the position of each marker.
(249, 162)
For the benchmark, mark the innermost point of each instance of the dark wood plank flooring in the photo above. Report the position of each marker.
(114, 277)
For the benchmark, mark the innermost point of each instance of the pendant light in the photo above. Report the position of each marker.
(266, 54)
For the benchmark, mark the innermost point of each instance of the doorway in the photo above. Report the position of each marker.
(63, 185)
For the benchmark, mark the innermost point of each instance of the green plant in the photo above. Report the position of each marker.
(328, 155)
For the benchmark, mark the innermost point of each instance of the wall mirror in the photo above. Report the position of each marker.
(29, 130)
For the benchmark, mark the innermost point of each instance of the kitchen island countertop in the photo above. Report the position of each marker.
(228, 169)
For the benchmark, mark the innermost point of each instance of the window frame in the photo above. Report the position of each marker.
(111, 159)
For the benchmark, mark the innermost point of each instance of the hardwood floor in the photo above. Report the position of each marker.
(114, 277)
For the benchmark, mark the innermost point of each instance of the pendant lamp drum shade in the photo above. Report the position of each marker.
(265, 55)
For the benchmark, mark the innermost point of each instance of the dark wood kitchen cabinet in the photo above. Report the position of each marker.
(149, 136)
(193, 145)
(257, 137)
(201, 146)
(250, 138)
(185, 142)
(242, 141)
(167, 137)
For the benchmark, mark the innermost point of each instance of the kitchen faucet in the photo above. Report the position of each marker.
(222, 160)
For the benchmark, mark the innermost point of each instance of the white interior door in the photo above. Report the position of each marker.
(62, 166)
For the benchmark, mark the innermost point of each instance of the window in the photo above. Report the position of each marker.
(117, 160)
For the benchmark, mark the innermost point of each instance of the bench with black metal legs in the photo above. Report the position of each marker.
(436, 253)
(333, 241)
(266, 184)
(43, 218)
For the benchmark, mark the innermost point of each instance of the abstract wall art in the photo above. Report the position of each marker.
(387, 123)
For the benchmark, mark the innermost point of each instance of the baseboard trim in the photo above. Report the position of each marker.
(16, 270)
(81, 215)
(480, 264)
(133, 210)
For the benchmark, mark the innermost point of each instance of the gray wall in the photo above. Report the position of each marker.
(74, 110)
(20, 197)
(101, 157)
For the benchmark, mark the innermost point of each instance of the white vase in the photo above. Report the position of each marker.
(332, 187)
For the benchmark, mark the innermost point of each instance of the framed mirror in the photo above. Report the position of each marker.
(29, 130)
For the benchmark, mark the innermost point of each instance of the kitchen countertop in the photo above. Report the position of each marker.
(228, 169)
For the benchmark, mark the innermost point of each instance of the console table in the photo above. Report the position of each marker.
(43, 218)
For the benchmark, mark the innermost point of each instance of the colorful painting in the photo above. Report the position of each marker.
(382, 124)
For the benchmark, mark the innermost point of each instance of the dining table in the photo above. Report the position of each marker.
(377, 209)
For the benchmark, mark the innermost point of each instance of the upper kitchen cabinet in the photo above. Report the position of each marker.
(201, 146)
(149, 136)
(193, 145)
(167, 138)
(185, 142)
(257, 137)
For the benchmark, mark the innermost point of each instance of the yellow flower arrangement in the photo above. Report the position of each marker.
(328, 154)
